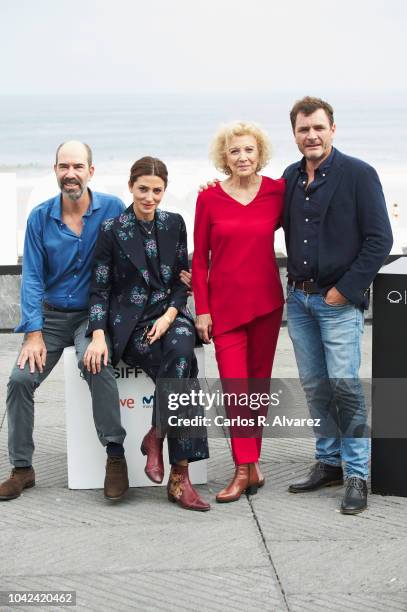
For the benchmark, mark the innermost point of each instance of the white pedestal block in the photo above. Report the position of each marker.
(86, 456)
(8, 225)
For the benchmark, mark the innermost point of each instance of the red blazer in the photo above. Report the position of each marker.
(234, 269)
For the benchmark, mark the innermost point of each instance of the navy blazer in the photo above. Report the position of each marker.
(120, 280)
(354, 233)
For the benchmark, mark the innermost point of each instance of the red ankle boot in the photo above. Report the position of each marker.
(152, 446)
(181, 491)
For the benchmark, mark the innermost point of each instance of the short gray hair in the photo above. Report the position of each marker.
(88, 152)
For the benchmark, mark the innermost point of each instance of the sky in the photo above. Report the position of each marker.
(208, 46)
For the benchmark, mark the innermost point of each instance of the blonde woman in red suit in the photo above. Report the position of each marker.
(238, 293)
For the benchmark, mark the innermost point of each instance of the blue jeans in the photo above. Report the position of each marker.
(326, 342)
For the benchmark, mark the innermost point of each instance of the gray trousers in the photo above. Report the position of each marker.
(60, 330)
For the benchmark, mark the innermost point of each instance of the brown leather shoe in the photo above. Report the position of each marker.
(23, 478)
(116, 479)
(181, 491)
(152, 446)
(246, 479)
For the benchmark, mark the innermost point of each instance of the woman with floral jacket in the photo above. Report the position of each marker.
(137, 298)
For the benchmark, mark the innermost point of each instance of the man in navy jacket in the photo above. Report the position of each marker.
(338, 235)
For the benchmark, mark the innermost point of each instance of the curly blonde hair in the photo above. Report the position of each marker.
(217, 152)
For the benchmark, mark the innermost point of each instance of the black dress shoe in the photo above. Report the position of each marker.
(321, 475)
(355, 498)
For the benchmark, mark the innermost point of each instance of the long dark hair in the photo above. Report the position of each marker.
(148, 166)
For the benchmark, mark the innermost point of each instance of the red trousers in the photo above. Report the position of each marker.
(247, 352)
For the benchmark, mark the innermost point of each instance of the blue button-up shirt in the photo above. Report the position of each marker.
(304, 221)
(57, 263)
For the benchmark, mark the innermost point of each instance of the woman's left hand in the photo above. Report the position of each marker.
(186, 277)
(158, 330)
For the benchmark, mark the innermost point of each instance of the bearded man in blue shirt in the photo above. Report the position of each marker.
(59, 242)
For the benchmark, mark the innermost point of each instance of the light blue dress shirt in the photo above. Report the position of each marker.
(57, 263)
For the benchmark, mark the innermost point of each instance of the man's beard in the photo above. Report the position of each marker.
(72, 195)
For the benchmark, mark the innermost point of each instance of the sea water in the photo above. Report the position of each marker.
(178, 129)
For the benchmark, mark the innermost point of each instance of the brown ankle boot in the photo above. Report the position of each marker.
(116, 479)
(181, 491)
(245, 479)
(23, 478)
(152, 446)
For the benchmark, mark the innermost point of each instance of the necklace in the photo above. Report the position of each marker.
(144, 226)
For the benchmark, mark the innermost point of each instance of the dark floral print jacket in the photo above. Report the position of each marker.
(120, 280)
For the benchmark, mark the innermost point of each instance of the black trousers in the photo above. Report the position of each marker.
(171, 364)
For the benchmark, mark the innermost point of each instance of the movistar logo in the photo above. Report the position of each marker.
(147, 400)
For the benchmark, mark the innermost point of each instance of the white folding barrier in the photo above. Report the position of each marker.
(86, 456)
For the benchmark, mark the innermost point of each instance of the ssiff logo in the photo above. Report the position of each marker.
(396, 297)
(127, 372)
